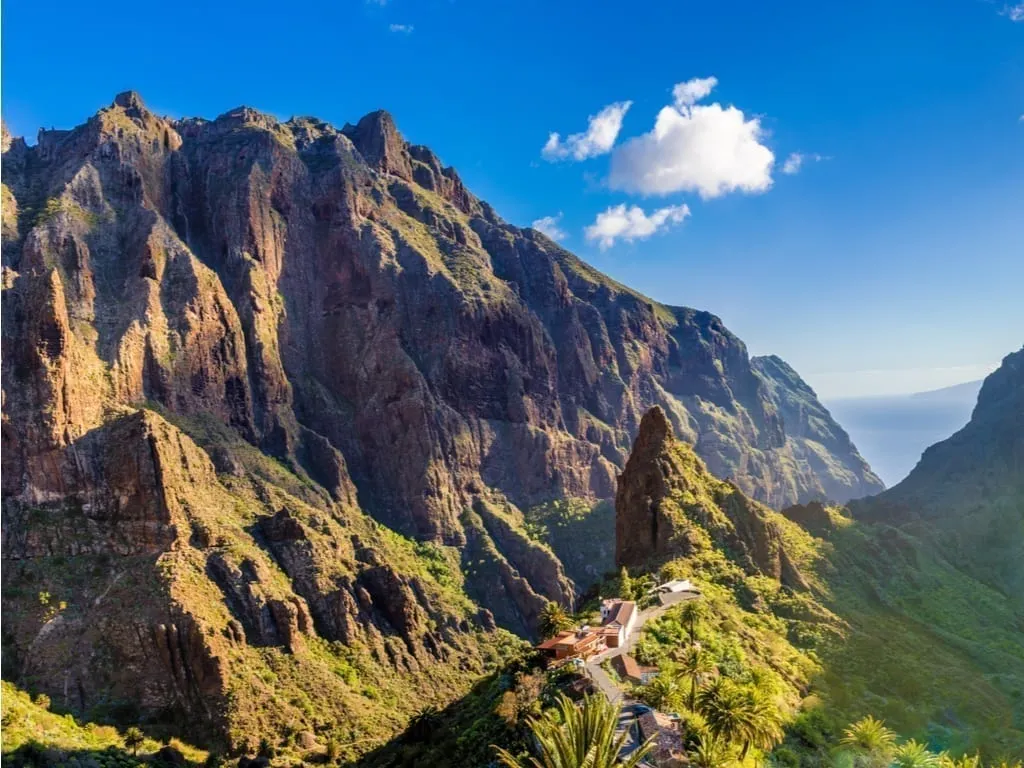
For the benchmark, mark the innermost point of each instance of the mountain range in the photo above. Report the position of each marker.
(285, 408)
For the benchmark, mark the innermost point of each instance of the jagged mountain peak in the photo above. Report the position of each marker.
(669, 505)
(129, 100)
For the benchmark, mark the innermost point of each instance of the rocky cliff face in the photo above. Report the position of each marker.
(668, 505)
(825, 457)
(229, 344)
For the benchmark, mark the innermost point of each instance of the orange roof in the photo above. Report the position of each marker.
(551, 642)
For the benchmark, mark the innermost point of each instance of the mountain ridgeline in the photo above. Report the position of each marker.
(276, 399)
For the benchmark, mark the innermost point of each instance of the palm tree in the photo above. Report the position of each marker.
(871, 741)
(552, 620)
(133, 739)
(577, 737)
(695, 666)
(738, 714)
(913, 754)
(764, 723)
(692, 614)
(662, 692)
(710, 752)
(965, 761)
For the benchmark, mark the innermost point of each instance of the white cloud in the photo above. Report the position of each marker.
(404, 28)
(550, 226)
(796, 160)
(602, 130)
(632, 223)
(1014, 12)
(709, 149)
(689, 93)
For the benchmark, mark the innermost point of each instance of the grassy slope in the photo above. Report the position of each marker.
(935, 652)
(27, 723)
(889, 628)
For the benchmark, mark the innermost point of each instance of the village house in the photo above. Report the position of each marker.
(618, 617)
(630, 669)
(582, 642)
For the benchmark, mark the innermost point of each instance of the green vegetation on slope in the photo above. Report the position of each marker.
(34, 735)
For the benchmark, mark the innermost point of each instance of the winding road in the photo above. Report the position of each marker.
(593, 668)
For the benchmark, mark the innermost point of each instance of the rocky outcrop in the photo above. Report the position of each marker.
(668, 504)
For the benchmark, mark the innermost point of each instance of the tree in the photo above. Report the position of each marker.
(709, 752)
(764, 723)
(553, 619)
(913, 754)
(738, 714)
(133, 739)
(871, 741)
(695, 667)
(662, 693)
(626, 589)
(568, 736)
(966, 761)
(692, 614)
(422, 725)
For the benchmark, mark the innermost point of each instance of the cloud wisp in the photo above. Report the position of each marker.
(551, 226)
(405, 29)
(599, 138)
(1014, 12)
(704, 148)
(620, 222)
(796, 160)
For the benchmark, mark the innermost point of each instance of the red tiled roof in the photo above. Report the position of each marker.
(551, 642)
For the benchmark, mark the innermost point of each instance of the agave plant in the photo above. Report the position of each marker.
(568, 736)
(966, 761)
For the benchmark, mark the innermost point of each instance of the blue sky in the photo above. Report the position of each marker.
(893, 263)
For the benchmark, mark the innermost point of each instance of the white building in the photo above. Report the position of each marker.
(618, 618)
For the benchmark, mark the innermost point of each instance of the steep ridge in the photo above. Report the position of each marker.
(231, 347)
(967, 492)
(668, 503)
(816, 440)
(904, 606)
(929, 576)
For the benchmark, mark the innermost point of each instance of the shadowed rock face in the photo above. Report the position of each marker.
(666, 498)
(333, 306)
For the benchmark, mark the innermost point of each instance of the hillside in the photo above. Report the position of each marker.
(280, 401)
(907, 609)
